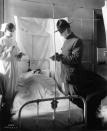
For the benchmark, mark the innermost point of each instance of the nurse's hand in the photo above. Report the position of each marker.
(10, 49)
(19, 55)
(56, 57)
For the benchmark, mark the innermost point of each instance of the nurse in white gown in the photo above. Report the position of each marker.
(9, 55)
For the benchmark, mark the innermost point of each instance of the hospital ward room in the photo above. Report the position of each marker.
(53, 65)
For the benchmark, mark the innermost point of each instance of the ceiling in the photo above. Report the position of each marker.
(50, 8)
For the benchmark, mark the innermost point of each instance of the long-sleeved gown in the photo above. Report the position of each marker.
(8, 65)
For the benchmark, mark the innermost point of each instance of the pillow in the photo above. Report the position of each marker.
(42, 64)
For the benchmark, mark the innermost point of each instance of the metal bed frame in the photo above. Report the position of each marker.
(54, 103)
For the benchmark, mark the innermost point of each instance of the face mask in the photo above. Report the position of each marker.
(9, 34)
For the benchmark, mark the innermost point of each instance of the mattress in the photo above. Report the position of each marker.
(34, 87)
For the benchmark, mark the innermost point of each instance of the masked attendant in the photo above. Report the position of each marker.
(9, 55)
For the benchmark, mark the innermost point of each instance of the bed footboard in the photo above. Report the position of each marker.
(54, 104)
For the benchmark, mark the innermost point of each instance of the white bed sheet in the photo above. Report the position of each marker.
(37, 86)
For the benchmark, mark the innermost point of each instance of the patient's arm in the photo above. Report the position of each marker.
(38, 71)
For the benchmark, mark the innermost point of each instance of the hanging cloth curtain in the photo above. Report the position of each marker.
(35, 37)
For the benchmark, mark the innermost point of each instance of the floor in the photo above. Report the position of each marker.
(80, 127)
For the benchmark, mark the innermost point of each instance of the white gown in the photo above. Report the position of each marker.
(8, 65)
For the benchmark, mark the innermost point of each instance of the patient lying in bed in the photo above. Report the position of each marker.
(33, 85)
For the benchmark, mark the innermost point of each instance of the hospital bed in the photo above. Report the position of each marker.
(39, 105)
(42, 109)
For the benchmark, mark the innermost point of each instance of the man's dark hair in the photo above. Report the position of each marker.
(10, 27)
(62, 25)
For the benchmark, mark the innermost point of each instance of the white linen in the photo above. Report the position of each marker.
(36, 37)
(8, 64)
(37, 86)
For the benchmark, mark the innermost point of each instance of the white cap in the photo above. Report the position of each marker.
(3, 27)
(105, 3)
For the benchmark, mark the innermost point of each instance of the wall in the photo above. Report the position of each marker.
(1, 14)
(82, 24)
(100, 37)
